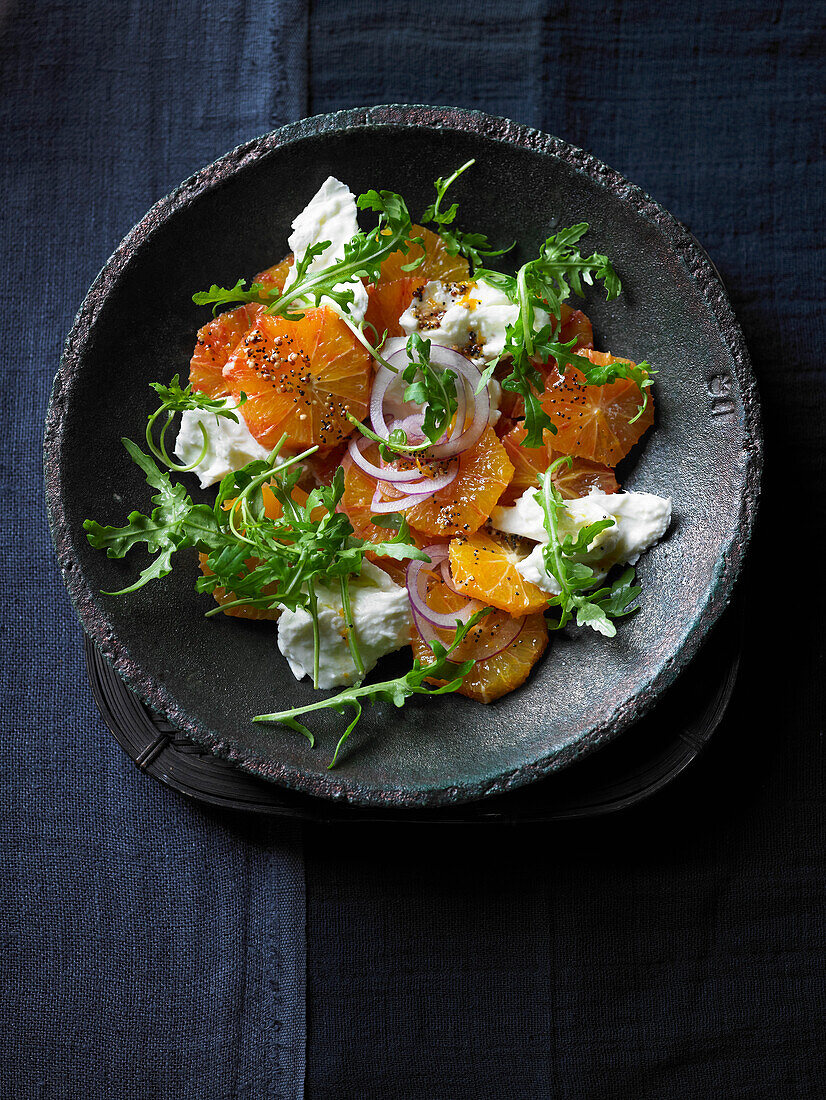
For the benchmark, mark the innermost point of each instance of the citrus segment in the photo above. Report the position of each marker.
(274, 278)
(465, 504)
(485, 569)
(576, 480)
(574, 325)
(494, 676)
(528, 463)
(301, 378)
(217, 340)
(386, 302)
(437, 264)
(594, 422)
(356, 503)
(242, 611)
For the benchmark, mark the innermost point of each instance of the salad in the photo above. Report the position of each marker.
(411, 447)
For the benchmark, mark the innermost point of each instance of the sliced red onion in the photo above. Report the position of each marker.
(417, 596)
(380, 473)
(386, 507)
(463, 435)
(447, 577)
(431, 485)
(411, 426)
(505, 636)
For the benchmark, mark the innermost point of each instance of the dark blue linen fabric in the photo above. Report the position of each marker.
(678, 951)
(149, 949)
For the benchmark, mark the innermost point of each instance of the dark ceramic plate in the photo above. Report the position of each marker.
(209, 676)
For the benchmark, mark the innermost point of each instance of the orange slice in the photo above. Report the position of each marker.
(302, 378)
(276, 276)
(242, 611)
(575, 326)
(356, 505)
(594, 422)
(485, 569)
(438, 263)
(386, 302)
(529, 462)
(217, 340)
(462, 507)
(272, 509)
(494, 676)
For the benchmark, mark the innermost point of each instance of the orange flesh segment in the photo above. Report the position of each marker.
(386, 302)
(462, 507)
(437, 264)
(274, 278)
(593, 422)
(217, 340)
(485, 569)
(242, 611)
(529, 462)
(301, 378)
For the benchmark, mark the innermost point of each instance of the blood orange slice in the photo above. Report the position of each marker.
(576, 480)
(274, 278)
(462, 507)
(495, 676)
(594, 422)
(386, 302)
(241, 611)
(437, 264)
(217, 340)
(575, 326)
(300, 378)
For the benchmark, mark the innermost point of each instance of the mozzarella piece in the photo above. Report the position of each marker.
(469, 316)
(640, 520)
(331, 215)
(230, 446)
(381, 616)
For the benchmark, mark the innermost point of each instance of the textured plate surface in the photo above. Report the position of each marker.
(626, 771)
(209, 676)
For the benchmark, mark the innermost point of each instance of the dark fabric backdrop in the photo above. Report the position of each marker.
(154, 950)
(149, 950)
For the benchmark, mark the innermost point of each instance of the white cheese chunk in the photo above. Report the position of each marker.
(640, 520)
(230, 446)
(469, 316)
(381, 616)
(331, 215)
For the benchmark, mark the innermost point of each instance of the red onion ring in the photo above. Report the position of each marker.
(510, 629)
(462, 435)
(431, 485)
(387, 507)
(413, 579)
(505, 636)
(380, 473)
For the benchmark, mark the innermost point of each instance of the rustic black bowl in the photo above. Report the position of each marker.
(209, 676)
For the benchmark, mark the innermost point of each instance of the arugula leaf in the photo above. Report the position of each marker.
(218, 296)
(396, 691)
(543, 284)
(362, 259)
(174, 523)
(435, 390)
(263, 560)
(474, 246)
(175, 399)
(577, 580)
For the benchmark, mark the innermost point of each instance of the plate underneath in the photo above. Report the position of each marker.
(624, 772)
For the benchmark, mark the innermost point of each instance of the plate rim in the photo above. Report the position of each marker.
(406, 116)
